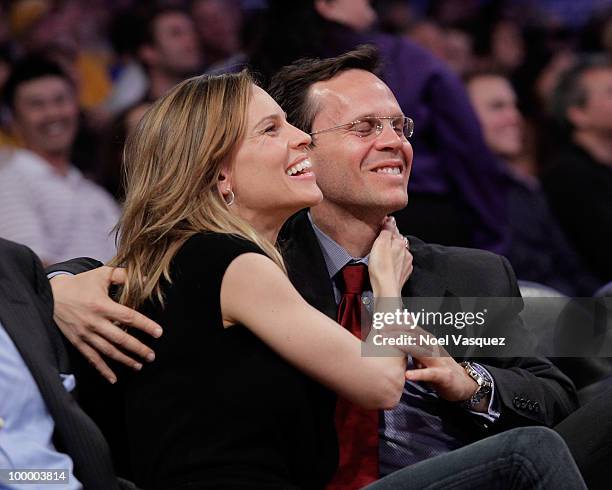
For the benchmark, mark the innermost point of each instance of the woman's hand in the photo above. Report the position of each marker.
(390, 262)
(87, 317)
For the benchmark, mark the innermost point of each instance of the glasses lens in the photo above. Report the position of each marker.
(408, 127)
(365, 127)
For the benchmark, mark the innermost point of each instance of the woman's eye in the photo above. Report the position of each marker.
(270, 129)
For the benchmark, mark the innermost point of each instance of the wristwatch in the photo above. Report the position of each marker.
(485, 384)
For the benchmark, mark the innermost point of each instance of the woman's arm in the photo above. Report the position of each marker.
(272, 309)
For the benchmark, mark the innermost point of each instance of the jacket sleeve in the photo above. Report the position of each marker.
(75, 266)
(530, 390)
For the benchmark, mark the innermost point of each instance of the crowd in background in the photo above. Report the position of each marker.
(536, 74)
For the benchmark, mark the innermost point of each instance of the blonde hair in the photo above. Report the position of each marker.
(172, 161)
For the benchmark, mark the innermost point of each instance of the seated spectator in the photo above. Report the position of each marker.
(539, 250)
(45, 202)
(41, 426)
(169, 49)
(578, 178)
(218, 24)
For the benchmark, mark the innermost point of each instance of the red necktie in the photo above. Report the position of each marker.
(357, 428)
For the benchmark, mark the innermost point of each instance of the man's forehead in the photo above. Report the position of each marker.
(353, 93)
(44, 85)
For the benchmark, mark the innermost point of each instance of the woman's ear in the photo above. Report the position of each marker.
(224, 181)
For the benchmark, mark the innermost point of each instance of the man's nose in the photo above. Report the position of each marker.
(388, 137)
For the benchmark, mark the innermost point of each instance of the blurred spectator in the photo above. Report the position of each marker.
(456, 188)
(538, 251)
(578, 177)
(429, 35)
(459, 50)
(5, 71)
(394, 16)
(130, 81)
(45, 202)
(218, 24)
(111, 176)
(65, 33)
(169, 49)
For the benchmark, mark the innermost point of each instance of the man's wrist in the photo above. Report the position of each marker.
(480, 398)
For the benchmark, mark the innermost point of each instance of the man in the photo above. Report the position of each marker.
(218, 23)
(41, 425)
(578, 180)
(169, 49)
(363, 171)
(538, 249)
(45, 202)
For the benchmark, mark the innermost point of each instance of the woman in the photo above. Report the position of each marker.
(238, 394)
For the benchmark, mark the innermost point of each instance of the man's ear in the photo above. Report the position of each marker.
(577, 116)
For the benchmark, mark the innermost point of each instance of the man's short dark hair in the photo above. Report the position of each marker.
(570, 91)
(291, 84)
(31, 68)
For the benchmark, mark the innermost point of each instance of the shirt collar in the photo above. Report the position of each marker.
(336, 256)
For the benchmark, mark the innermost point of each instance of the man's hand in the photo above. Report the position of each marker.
(85, 314)
(447, 377)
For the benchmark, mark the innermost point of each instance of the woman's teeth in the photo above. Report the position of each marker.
(299, 167)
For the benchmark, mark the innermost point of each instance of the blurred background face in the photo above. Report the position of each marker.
(352, 171)
(495, 103)
(218, 24)
(46, 115)
(596, 114)
(259, 175)
(176, 49)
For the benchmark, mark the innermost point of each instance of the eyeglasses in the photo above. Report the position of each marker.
(373, 125)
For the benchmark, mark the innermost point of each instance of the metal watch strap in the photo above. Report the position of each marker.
(484, 381)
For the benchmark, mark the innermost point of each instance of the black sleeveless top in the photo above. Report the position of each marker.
(218, 408)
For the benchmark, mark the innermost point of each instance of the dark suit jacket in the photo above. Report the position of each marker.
(26, 312)
(451, 272)
(439, 272)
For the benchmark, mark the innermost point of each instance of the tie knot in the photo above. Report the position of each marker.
(353, 278)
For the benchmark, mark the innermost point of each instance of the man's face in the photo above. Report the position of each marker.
(46, 114)
(357, 173)
(176, 49)
(596, 114)
(218, 24)
(495, 103)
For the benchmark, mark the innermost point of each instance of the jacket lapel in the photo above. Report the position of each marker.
(306, 265)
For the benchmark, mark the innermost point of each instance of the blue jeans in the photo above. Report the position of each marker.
(523, 458)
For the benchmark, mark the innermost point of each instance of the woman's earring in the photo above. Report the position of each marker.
(231, 196)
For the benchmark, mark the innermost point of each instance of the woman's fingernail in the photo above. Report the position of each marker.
(150, 357)
(137, 366)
